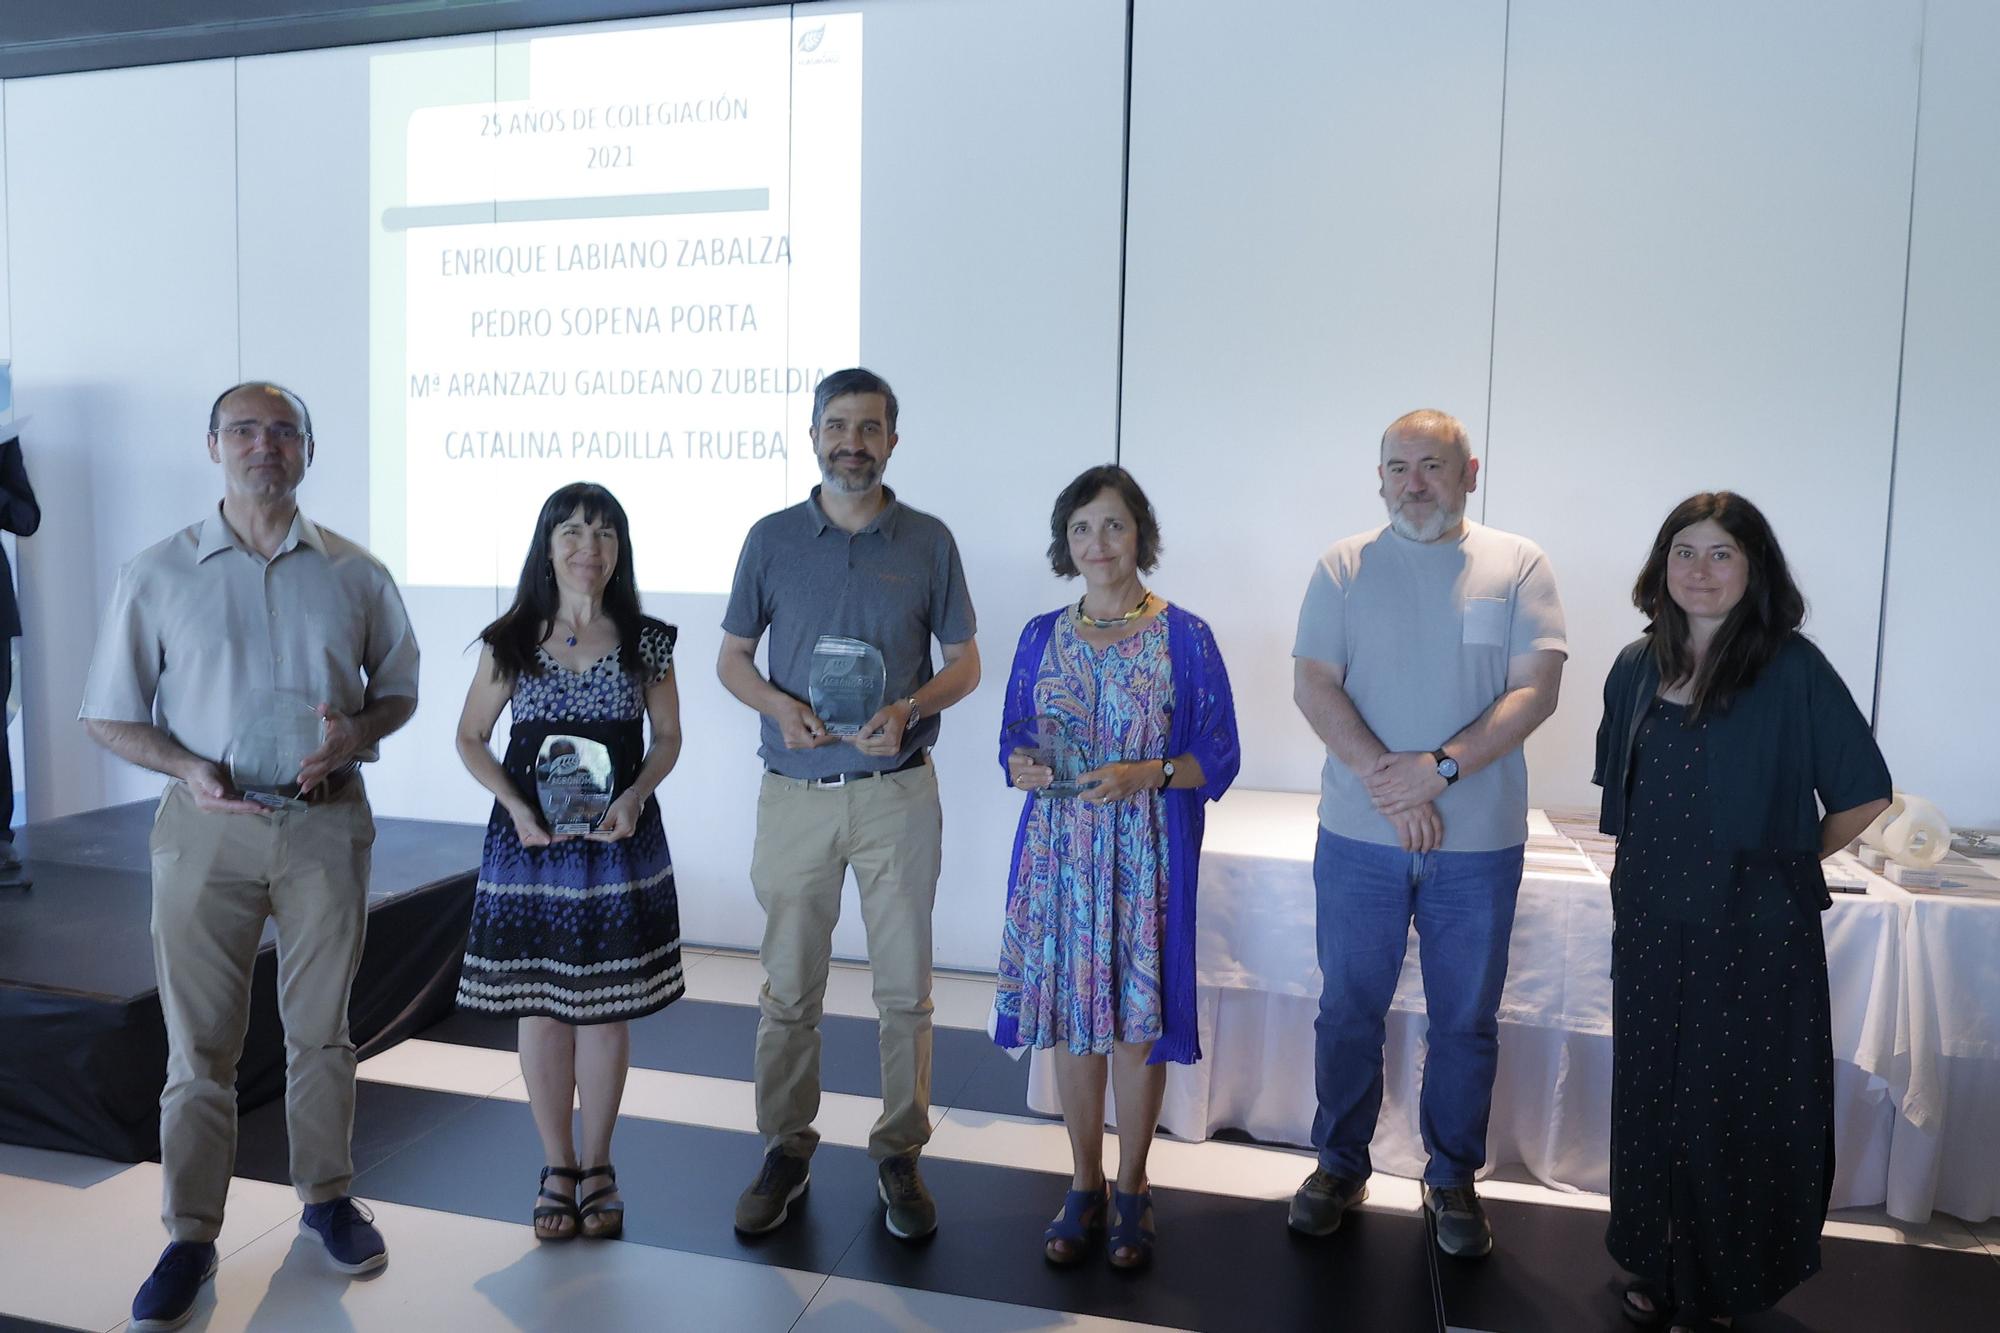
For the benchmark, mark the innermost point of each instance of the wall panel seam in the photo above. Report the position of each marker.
(1124, 240)
(1493, 310)
(1902, 351)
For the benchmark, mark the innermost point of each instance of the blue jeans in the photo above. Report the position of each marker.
(1463, 904)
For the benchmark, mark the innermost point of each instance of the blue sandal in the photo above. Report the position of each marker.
(1081, 1220)
(1130, 1231)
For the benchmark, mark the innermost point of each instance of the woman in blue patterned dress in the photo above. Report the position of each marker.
(574, 935)
(1097, 955)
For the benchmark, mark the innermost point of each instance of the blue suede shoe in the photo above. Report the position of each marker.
(348, 1232)
(167, 1299)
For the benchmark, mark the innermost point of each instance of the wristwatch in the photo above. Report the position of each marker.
(915, 712)
(1447, 766)
(1167, 767)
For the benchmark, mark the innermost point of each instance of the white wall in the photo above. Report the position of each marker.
(1699, 219)
(122, 257)
(1702, 221)
(1311, 256)
(1939, 724)
(12, 738)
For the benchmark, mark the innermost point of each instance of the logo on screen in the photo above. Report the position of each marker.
(810, 39)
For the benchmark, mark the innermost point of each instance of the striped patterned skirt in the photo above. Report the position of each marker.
(584, 932)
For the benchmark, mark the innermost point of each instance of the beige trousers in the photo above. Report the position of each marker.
(888, 829)
(216, 878)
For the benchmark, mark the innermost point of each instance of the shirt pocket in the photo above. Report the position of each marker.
(1486, 622)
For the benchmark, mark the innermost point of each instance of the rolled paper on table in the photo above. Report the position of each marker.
(1911, 832)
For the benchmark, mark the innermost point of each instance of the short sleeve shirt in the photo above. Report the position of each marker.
(896, 584)
(200, 624)
(1424, 632)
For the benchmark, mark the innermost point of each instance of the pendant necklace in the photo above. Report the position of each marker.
(1115, 621)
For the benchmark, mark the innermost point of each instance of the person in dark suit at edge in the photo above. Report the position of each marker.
(19, 514)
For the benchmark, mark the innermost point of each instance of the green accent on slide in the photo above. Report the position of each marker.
(510, 68)
(579, 206)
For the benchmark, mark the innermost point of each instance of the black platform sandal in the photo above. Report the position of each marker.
(546, 1214)
(589, 1209)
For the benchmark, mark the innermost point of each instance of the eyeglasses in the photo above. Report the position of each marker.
(244, 432)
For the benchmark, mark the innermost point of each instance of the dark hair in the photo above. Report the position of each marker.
(215, 409)
(1087, 487)
(1751, 635)
(522, 627)
(856, 380)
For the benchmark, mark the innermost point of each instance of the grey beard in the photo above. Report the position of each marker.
(835, 480)
(1441, 520)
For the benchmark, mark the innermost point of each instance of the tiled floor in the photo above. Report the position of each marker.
(445, 1151)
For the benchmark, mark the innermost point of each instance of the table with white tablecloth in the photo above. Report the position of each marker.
(1915, 982)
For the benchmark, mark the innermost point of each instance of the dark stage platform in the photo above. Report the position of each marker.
(82, 1048)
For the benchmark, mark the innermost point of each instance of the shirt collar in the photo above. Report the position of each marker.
(884, 521)
(217, 535)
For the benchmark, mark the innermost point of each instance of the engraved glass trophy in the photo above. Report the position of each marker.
(573, 783)
(1054, 743)
(275, 734)
(846, 684)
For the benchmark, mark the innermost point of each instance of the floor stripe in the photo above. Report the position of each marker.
(1236, 1170)
(998, 1139)
(718, 1040)
(449, 1271)
(962, 1000)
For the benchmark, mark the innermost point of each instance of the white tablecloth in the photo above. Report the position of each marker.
(1915, 983)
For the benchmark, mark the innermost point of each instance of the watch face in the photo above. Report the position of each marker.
(1447, 769)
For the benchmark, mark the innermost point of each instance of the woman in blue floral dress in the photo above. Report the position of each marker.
(1097, 956)
(574, 935)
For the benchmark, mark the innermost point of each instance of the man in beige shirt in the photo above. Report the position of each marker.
(220, 624)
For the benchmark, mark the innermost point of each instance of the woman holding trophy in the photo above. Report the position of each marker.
(575, 926)
(1120, 726)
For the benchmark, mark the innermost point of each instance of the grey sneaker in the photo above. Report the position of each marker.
(912, 1212)
(768, 1202)
(1321, 1201)
(1462, 1229)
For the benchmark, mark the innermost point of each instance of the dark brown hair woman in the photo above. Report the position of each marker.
(1725, 731)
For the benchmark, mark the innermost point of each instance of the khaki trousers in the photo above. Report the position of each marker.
(216, 877)
(888, 829)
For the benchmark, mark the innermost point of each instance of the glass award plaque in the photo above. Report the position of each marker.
(846, 684)
(573, 783)
(1057, 746)
(276, 733)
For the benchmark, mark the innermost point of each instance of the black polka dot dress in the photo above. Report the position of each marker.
(1722, 1049)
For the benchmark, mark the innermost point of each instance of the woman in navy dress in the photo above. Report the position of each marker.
(1732, 759)
(574, 935)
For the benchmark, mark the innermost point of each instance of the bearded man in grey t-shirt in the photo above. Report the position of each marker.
(1428, 650)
